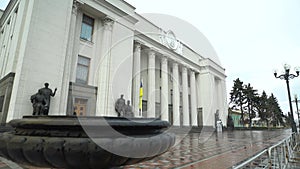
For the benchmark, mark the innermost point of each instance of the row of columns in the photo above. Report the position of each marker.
(165, 89)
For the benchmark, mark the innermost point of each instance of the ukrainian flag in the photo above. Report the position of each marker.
(141, 98)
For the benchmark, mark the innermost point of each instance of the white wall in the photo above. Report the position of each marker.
(9, 39)
(42, 59)
(121, 63)
(206, 86)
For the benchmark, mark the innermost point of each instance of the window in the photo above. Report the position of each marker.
(82, 71)
(87, 28)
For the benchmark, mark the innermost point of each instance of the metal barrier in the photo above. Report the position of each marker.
(276, 156)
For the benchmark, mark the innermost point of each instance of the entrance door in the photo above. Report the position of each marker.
(200, 117)
(80, 107)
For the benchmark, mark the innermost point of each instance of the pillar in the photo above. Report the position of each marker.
(164, 104)
(193, 99)
(176, 96)
(151, 84)
(68, 61)
(185, 98)
(136, 78)
(104, 92)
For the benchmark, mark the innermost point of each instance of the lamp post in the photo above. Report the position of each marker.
(296, 101)
(287, 76)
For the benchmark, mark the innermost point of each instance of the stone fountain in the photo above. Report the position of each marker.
(84, 142)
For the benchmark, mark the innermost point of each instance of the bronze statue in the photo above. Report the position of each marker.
(120, 106)
(38, 103)
(128, 110)
(47, 92)
(41, 100)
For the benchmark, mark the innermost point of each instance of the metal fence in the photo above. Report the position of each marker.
(277, 156)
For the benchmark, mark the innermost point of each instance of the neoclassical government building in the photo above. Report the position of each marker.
(93, 51)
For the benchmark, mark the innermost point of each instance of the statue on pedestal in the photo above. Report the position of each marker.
(38, 103)
(122, 109)
(41, 100)
(128, 110)
(120, 106)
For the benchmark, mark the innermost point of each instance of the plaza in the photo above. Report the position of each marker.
(210, 150)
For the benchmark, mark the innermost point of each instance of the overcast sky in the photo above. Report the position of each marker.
(251, 37)
(3, 4)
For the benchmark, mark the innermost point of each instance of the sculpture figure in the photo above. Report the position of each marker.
(38, 103)
(47, 93)
(120, 106)
(128, 110)
(230, 123)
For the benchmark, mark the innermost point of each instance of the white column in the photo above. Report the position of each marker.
(104, 91)
(207, 98)
(193, 99)
(176, 96)
(136, 78)
(185, 98)
(68, 61)
(224, 103)
(164, 104)
(151, 84)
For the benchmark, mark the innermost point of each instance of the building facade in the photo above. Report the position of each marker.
(93, 51)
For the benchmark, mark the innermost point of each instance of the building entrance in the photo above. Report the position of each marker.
(80, 107)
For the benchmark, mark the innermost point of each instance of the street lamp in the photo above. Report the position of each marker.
(287, 76)
(296, 101)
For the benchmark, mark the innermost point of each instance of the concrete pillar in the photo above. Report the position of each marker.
(185, 98)
(224, 103)
(151, 84)
(68, 61)
(193, 99)
(207, 97)
(176, 96)
(136, 78)
(104, 98)
(164, 104)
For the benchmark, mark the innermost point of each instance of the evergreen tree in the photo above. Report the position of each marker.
(276, 111)
(237, 97)
(262, 108)
(245, 97)
(250, 95)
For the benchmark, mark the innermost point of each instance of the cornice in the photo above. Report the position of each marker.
(164, 50)
(10, 7)
(117, 10)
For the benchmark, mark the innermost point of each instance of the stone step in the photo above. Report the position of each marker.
(5, 128)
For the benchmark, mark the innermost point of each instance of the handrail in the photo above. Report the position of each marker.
(279, 154)
(250, 159)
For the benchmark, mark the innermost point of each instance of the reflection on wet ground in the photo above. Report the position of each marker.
(214, 150)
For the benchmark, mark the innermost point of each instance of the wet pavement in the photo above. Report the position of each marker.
(209, 150)
(214, 150)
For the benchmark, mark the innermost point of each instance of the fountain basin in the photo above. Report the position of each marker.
(84, 142)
